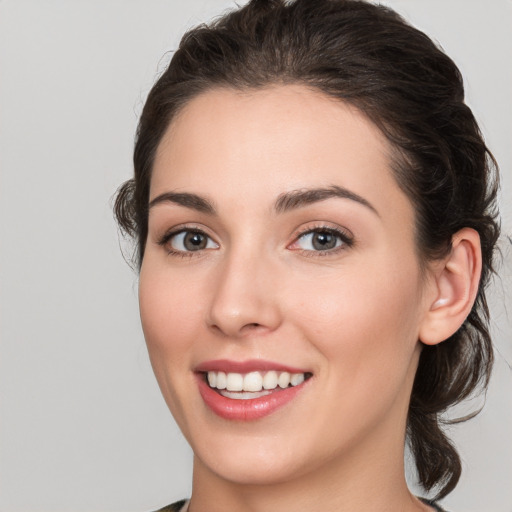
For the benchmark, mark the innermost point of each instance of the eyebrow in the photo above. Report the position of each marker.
(303, 197)
(285, 202)
(192, 201)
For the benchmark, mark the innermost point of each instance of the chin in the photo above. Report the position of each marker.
(243, 468)
(268, 457)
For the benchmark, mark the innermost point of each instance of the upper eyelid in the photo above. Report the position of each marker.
(180, 228)
(323, 227)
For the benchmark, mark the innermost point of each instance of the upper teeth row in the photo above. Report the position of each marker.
(253, 381)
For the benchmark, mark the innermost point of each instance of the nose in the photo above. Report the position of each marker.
(245, 298)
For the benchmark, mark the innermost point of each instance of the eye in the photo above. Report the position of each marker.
(321, 240)
(188, 241)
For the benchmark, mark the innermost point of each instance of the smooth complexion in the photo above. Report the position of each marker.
(227, 177)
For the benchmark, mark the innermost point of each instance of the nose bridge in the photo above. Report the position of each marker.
(244, 299)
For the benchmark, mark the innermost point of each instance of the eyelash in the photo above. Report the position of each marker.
(168, 236)
(343, 236)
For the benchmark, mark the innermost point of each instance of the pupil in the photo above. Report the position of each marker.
(194, 241)
(323, 241)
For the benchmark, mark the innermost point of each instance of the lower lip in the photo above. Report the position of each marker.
(246, 410)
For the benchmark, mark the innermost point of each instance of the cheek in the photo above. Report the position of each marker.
(171, 319)
(170, 315)
(362, 314)
(364, 324)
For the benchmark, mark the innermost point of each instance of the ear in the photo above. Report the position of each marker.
(455, 285)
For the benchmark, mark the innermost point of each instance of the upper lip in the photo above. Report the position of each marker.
(250, 365)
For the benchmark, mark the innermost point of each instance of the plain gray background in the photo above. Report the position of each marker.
(83, 426)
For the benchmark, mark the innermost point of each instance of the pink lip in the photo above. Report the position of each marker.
(251, 365)
(246, 410)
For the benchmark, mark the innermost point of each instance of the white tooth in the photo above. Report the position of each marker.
(284, 380)
(221, 380)
(270, 380)
(234, 382)
(253, 382)
(244, 395)
(296, 379)
(212, 379)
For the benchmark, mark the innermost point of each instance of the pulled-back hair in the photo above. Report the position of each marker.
(369, 57)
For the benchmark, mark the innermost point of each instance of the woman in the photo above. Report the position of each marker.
(314, 209)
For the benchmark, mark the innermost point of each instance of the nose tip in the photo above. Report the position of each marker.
(248, 317)
(235, 326)
(243, 303)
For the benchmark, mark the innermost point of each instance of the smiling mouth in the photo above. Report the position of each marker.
(252, 385)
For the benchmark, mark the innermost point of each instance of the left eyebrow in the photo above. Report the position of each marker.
(303, 197)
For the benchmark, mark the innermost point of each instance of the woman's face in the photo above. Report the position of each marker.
(279, 243)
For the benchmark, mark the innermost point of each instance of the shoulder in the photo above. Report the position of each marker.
(173, 507)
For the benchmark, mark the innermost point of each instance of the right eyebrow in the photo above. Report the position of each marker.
(192, 201)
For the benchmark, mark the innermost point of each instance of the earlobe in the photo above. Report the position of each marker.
(456, 282)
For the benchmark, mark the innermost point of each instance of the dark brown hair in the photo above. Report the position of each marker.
(368, 56)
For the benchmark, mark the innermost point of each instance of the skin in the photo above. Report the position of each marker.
(352, 315)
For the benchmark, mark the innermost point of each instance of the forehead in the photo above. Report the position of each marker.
(268, 141)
